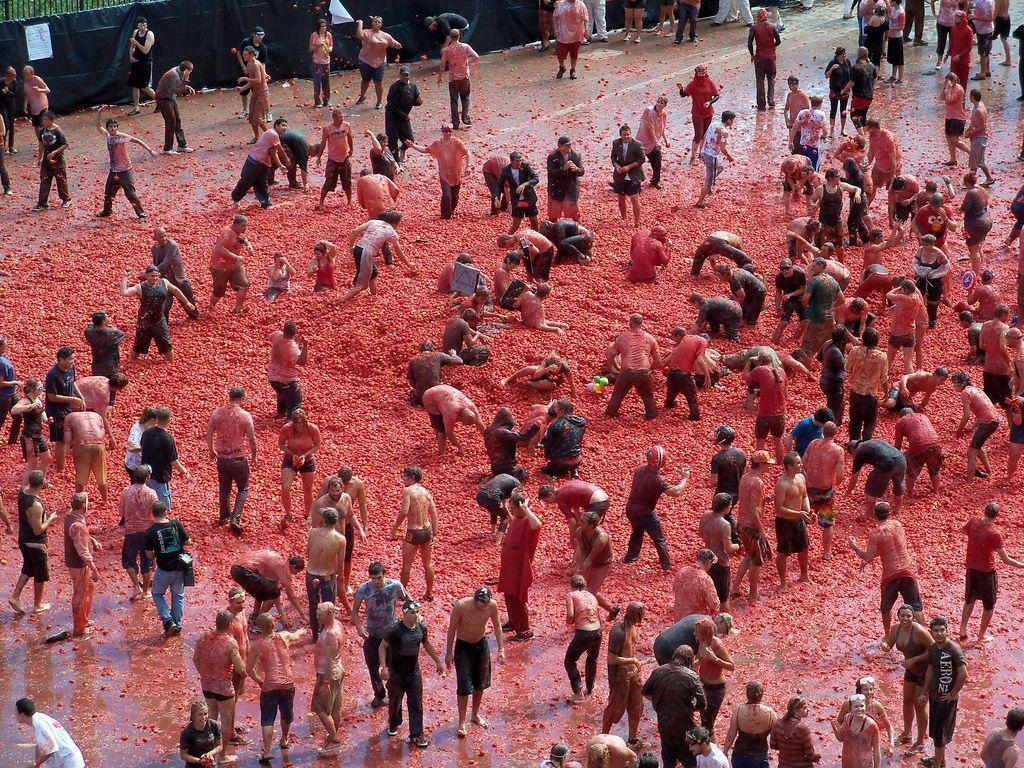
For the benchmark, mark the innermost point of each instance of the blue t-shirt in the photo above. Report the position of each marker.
(380, 605)
(6, 374)
(803, 433)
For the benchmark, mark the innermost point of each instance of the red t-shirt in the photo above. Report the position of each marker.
(918, 431)
(983, 540)
(701, 91)
(772, 383)
(646, 255)
(684, 356)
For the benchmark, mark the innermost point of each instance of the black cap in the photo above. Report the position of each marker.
(258, 31)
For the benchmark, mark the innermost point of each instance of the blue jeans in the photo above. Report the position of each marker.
(175, 581)
(163, 491)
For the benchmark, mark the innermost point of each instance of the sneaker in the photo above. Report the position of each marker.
(8, 191)
(170, 151)
(38, 208)
(102, 214)
(420, 741)
(175, 629)
(572, 72)
(360, 100)
(560, 74)
(243, 114)
(66, 204)
(168, 624)
(142, 216)
(586, 42)
(377, 703)
(185, 150)
(392, 731)
(602, 39)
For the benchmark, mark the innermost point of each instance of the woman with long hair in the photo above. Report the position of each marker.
(200, 741)
(912, 639)
(321, 43)
(298, 441)
(792, 737)
(703, 91)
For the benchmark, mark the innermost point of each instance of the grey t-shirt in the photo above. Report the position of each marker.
(380, 605)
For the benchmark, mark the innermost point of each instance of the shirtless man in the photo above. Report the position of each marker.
(263, 574)
(468, 651)
(326, 550)
(420, 514)
(330, 676)
(618, 753)
(888, 542)
(792, 514)
(796, 173)
(574, 499)
(749, 509)
(446, 407)
(906, 305)
(340, 500)
(530, 304)
(355, 487)
(625, 694)
(824, 471)
(901, 395)
(218, 660)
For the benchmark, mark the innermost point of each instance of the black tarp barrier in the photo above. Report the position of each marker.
(90, 48)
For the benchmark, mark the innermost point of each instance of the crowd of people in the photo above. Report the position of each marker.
(832, 312)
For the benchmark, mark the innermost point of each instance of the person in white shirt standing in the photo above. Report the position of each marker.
(54, 746)
(708, 754)
(713, 151)
(811, 126)
(572, 23)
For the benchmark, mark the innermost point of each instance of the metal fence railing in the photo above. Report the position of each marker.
(29, 9)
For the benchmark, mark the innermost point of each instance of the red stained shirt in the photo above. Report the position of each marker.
(458, 57)
(772, 383)
(646, 255)
(890, 542)
(983, 541)
(979, 404)
(451, 159)
(918, 431)
(284, 357)
(684, 356)
(231, 241)
(701, 92)
(635, 347)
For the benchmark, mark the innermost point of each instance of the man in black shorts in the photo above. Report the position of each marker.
(946, 675)
(628, 159)
(984, 542)
(789, 290)
(468, 651)
(32, 524)
(493, 496)
(792, 514)
(520, 179)
(888, 465)
(62, 397)
(262, 574)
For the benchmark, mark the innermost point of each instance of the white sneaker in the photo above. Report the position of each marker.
(170, 151)
(186, 150)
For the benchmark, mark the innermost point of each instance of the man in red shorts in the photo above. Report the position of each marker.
(888, 542)
(572, 22)
(984, 541)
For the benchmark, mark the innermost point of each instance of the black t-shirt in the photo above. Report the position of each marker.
(840, 75)
(864, 80)
(62, 383)
(875, 36)
(446, 22)
(106, 353)
(454, 334)
(8, 95)
(159, 451)
(795, 280)
(53, 139)
(879, 454)
(647, 487)
(719, 310)
(198, 743)
(166, 541)
(945, 662)
(405, 647)
(833, 365)
(262, 52)
(728, 464)
(749, 283)
(295, 141)
(500, 487)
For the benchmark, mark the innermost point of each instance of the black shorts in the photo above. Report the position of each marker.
(903, 210)
(626, 186)
(357, 257)
(719, 574)
(157, 333)
(307, 467)
(34, 564)
(491, 504)
(1001, 27)
(57, 429)
(984, 43)
(216, 696)
(879, 479)
(436, 422)
(954, 127)
(255, 584)
(932, 458)
(419, 536)
(600, 508)
(792, 307)
(982, 433)
(982, 585)
(634, 5)
(272, 702)
(36, 446)
(996, 386)
(894, 51)
(335, 171)
(523, 211)
(941, 720)
(902, 340)
(769, 425)
(790, 536)
(368, 73)
(350, 536)
(905, 587)
(472, 667)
